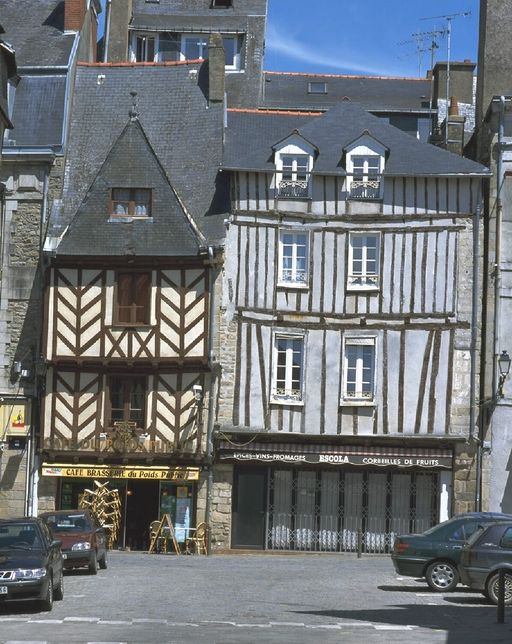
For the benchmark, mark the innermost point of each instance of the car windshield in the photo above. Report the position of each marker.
(19, 536)
(72, 522)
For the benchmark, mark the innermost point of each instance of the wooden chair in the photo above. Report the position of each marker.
(197, 543)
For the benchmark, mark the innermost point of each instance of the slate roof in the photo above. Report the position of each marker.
(331, 132)
(290, 90)
(168, 231)
(35, 28)
(39, 103)
(183, 131)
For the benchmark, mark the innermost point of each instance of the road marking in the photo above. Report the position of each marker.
(82, 619)
(392, 627)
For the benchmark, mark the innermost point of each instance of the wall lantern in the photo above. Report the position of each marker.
(504, 367)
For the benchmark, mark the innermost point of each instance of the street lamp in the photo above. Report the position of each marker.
(504, 367)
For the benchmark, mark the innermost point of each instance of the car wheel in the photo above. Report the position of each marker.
(442, 576)
(492, 588)
(93, 563)
(47, 601)
(58, 593)
(103, 561)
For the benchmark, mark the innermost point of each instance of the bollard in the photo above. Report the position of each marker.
(501, 596)
(359, 544)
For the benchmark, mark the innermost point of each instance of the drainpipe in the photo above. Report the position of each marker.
(212, 393)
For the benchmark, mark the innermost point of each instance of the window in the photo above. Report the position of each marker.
(365, 182)
(222, 3)
(363, 261)
(288, 368)
(132, 298)
(317, 87)
(294, 175)
(293, 258)
(359, 366)
(195, 47)
(131, 202)
(145, 48)
(128, 399)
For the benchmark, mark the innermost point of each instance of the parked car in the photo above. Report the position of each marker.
(435, 554)
(488, 551)
(84, 542)
(31, 564)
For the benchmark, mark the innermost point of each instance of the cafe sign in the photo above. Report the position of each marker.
(121, 472)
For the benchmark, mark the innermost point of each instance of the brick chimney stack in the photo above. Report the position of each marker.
(74, 14)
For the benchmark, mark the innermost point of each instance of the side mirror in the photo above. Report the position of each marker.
(56, 543)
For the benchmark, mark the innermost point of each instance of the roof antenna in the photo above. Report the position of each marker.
(134, 114)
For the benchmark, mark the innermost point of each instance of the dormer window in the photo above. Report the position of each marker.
(365, 159)
(195, 47)
(130, 202)
(294, 162)
(366, 177)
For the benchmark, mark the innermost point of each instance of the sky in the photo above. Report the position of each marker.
(369, 37)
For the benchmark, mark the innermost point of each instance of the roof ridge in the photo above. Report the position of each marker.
(168, 63)
(254, 110)
(408, 78)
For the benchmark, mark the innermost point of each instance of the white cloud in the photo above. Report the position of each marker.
(280, 42)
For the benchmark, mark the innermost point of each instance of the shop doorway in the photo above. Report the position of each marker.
(249, 509)
(141, 509)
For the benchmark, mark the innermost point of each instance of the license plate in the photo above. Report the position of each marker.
(64, 556)
(3, 590)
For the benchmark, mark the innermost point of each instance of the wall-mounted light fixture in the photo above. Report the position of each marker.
(198, 392)
(504, 367)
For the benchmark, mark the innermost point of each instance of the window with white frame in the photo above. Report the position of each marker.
(294, 175)
(366, 178)
(363, 261)
(359, 369)
(293, 258)
(288, 368)
(195, 47)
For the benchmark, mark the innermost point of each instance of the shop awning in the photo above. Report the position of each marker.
(96, 471)
(322, 454)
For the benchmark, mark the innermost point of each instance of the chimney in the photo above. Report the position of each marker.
(117, 19)
(216, 69)
(455, 124)
(74, 14)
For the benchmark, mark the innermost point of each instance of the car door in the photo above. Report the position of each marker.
(54, 552)
(454, 540)
(492, 548)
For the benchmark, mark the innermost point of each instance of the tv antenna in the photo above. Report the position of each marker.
(449, 19)
(420, 39)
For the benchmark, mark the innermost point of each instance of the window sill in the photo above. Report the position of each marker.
(364, 289)
(293, 286)
(128, 218)
(287, 403)
(358, 402)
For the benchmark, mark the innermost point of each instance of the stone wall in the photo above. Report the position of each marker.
(464, 478)
(221, 507)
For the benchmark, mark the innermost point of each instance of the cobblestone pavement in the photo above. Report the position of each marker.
(224, 599)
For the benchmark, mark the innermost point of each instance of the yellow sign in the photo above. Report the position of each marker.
(121, 472)
(14, 418)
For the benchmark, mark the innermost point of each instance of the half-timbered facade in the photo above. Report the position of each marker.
(349, 330)
(128, 296)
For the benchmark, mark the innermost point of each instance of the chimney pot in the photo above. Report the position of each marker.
(454, 106)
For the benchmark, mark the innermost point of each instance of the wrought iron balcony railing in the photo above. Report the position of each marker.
(294, 189)
(363, 281)
(290, 276)
(285, 395)
(365, 189)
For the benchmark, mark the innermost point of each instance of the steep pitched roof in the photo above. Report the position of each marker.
(35, 28)
(183, 131)
(331, 132)
(131, 163)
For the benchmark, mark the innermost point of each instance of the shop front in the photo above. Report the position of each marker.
(331, 498)
(146, 494)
